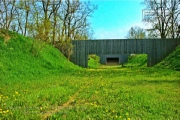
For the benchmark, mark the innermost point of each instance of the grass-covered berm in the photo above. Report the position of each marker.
(38, 82)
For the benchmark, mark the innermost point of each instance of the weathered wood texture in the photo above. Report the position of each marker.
(156, 49)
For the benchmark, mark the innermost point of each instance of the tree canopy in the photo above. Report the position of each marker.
(136, 33)
(48, 20)
(164, 15)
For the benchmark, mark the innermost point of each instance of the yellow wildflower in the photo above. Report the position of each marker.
(4, 112)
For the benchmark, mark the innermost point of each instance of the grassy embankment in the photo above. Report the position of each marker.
(93, 61)
(38, 82)
(24, 57)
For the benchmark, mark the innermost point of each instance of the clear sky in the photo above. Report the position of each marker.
(114, 18)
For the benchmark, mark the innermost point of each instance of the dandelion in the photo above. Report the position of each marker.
(4, 112)
(129, 119)
(16, 93)
(1, 96)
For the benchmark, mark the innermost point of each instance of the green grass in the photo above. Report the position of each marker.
(37, 82)
(98, 94)
(94, 61)
(28, 99)
(127, 94)
(172, 61)
(24, 57)
(137, 60)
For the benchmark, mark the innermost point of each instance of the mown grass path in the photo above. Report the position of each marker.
(67, 104)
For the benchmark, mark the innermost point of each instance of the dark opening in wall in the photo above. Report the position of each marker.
(112, 61)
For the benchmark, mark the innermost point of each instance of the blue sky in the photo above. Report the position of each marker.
(114, 18)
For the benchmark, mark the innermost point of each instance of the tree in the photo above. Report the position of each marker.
(164, 17)
(75, 18)
(7, 11)
(55, 7)
(51, 21)
(136, 33)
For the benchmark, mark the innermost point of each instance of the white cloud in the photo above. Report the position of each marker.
(110, 34)
(119, 32)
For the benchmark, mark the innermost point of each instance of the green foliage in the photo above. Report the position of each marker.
(93, 61)
(65, 47)
(25, 57)
(172, 61)
(136, 33)
(138, 60)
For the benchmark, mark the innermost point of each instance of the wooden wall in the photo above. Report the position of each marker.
(156, 49)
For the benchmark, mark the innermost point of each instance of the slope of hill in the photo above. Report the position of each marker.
(24, 57)
(138, 60)
(172, 61)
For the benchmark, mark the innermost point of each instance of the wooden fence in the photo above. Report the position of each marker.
(156, 49)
